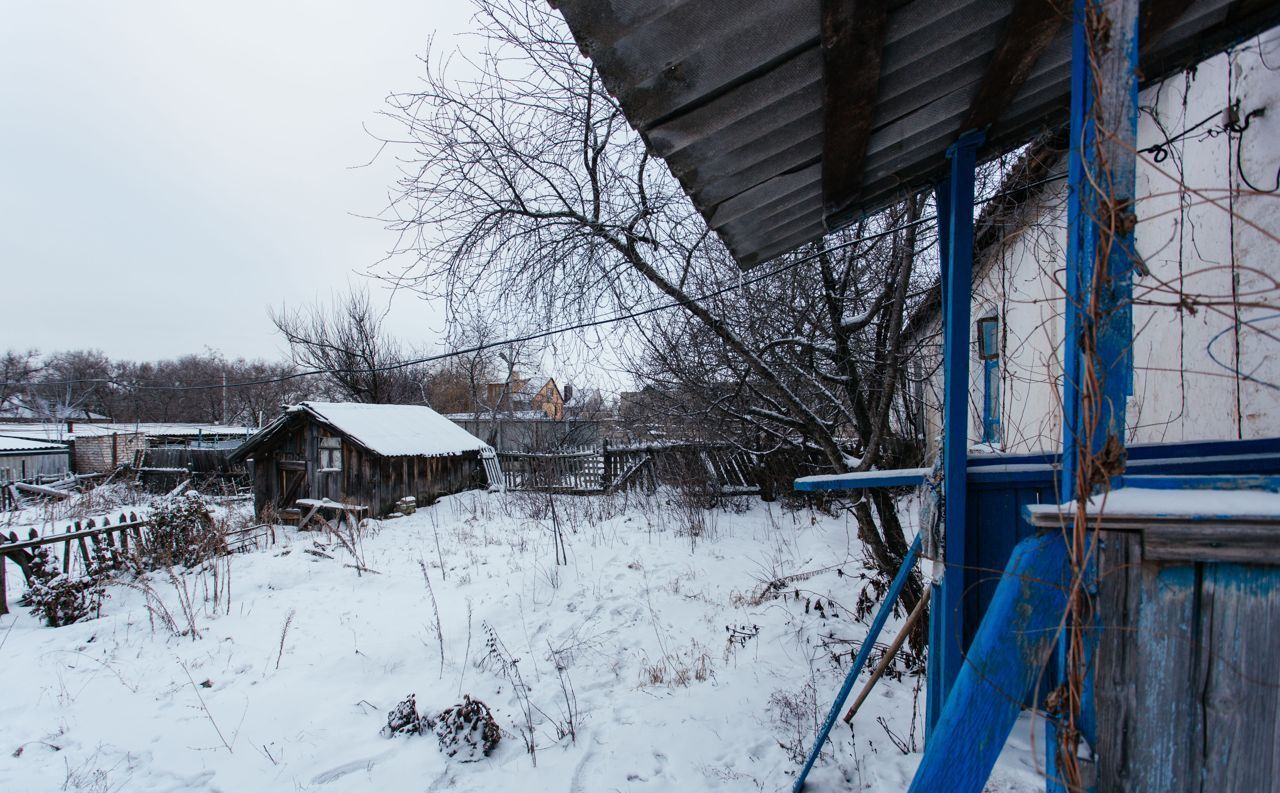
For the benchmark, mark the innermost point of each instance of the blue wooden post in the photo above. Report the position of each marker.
(935, 690)
(1099, 268)
(955, 213)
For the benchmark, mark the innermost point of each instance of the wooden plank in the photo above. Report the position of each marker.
(1031, 28)
(863, 479)
(1170, 657)
(1240, 609)
(1217, 541)
(1117, 662)
(41, 490)
(853, 35)
(84, 550)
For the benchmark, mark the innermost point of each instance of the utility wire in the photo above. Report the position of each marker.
(585, 325)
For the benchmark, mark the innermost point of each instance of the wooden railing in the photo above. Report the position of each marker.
(108, 539)
(88, 541)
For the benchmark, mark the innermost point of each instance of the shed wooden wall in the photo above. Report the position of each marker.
(25, 465)
(366, 478)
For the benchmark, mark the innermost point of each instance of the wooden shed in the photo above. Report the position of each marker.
(25, 459)
(361, 454)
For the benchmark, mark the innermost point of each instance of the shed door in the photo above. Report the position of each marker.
(292, 485)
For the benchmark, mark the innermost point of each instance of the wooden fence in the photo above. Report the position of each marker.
(718, 469)
(163, 467)
(76, 548)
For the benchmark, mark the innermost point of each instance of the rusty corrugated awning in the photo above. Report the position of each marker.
(784, 119)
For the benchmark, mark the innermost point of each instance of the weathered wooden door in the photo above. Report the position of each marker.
(293, 479)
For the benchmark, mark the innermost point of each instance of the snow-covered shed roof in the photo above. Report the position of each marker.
(396, 430)
(388, 430)
(10, 444)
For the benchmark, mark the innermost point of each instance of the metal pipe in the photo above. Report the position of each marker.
(877, 624)
(912, 619)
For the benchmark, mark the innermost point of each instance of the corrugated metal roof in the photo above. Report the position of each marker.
(11, 445)
(57, 430)
(731, 95)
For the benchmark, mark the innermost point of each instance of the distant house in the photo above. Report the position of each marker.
(367, 455)
(20, 407)
(526, 394)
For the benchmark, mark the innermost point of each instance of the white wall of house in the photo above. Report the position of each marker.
(1206, 372)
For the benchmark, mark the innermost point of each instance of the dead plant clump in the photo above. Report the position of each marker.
(466, 732)
(794, 716)
(677, 672)
(61, 599)
(181, 532)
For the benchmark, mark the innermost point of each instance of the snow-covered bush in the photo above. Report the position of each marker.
(181, 531)
(467, 731)
(404, 719)
(61, 599)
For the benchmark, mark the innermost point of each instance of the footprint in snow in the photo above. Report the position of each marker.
(337, 772)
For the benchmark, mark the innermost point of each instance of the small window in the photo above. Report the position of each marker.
(989, 338)
(330, 454)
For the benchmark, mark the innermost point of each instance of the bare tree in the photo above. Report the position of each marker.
(345, 340)
(75, 382)
(18, 372)
(527, 187)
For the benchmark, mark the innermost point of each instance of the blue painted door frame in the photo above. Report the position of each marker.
(954, 198)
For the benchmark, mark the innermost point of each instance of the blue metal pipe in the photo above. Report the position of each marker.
(877, 624)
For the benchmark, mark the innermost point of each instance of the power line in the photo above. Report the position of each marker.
(585, 325)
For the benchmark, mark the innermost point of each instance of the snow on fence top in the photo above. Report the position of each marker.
(396, 430)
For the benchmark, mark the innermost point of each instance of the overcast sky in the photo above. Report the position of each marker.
(168, 170)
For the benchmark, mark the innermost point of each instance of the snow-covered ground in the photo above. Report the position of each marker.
(677, 667)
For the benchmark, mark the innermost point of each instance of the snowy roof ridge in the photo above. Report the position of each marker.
(395, 430)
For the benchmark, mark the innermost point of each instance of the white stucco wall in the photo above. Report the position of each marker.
(1205, 372)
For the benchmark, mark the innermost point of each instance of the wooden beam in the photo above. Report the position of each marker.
(1157, 16)
(853, 33)
(1031, 28)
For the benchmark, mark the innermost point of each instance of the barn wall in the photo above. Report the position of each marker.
(1202, 375)
(379, 482)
